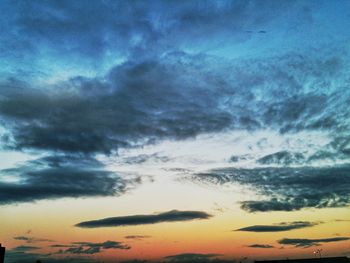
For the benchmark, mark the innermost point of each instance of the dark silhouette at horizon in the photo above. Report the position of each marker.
(2, 254)
(309, 260)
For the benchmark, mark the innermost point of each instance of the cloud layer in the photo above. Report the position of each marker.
(90, 37)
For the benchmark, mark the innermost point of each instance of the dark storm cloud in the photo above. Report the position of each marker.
(278, 227)
(147, 101)
(141, 103)
(90, 247)
(288, 189)
(170, 216)
(160, 91)
(64, 177)
(260, 246)
(304, 242)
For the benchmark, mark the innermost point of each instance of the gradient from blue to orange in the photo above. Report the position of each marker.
(237, 110)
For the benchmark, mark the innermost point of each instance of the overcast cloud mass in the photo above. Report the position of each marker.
(162, 70)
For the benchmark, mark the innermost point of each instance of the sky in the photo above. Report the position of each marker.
(174, 131)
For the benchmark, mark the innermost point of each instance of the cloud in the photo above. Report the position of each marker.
(25, 248)
(142, 158)
(56, 177)
(303, 242)
(12, 256)
(102, 116)
(91, 33)
(278, 227)
(283, 158)
(32, 239)
(90, 247)
(342, 220)
(170, 216)
(194, 257)
(155, 73)
(288, 188)
(61, 245)
(140, 102)
(260, 246)
(136, 237)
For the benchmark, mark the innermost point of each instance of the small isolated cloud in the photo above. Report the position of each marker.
(142, 158)
(304, 242)
(170, 216)
(260, 246)
(278, 227)
(32, 239)
(342, 220)
(136, 237)
(90, 247)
